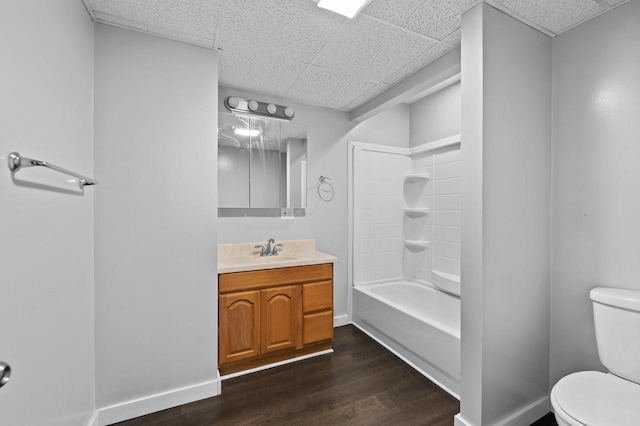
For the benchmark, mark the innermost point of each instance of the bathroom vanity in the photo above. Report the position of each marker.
(273, 308)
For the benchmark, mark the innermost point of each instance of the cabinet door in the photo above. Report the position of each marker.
(280, 313)
(239, 326)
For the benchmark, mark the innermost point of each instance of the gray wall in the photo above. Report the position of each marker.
(326, 222)
(506, 156)
(155, 219)
(46, 248)
(436, 116)
(596, 201)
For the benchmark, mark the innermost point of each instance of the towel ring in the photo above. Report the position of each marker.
(326, 188)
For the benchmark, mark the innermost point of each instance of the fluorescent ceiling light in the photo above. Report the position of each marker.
(243, 131)
(348, 8)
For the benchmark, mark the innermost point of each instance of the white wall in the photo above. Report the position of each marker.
(46, 248)
(506, 157)
(596, 201)
(155, 242)
(326, 222)
(436, 116)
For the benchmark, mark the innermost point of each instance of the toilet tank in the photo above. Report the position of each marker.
(617, 321)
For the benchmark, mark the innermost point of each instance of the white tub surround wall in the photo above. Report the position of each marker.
(506, 159)
(394, 194)
(378, 212)
(242, 257)
(596, 202)
(441, 225)
(156, 293)
(46, 248)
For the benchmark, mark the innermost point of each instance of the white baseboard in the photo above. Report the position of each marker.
(340, 320)
(275, 364)
(524, 416)
(153, 403)
(527, 414)
(458, 420)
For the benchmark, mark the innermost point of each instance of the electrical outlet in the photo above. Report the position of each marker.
(286, 214)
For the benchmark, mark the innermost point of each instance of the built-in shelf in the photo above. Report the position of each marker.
(417, 177)
(416, 245)
(416, 211)
(448, 283)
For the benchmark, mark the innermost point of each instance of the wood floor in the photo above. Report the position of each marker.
(360, 384)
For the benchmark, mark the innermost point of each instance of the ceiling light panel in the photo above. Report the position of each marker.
(434, 18)
(555, 16)
(370, 49)
(323, 87)
(292, 28)
(348, 8)
(191, 18)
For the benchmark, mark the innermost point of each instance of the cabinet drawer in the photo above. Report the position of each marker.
(317, 296)
(253, 280)
(317, 327)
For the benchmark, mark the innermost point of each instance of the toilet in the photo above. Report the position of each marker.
(594, 398)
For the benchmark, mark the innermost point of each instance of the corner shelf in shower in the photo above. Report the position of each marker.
(416, 245)
(448, 283)
(416, 211)
(417, 177)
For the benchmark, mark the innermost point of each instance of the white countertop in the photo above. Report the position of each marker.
(244, 257)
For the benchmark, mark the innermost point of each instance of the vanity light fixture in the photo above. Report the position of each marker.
(348, 8)
(243, 131)
(251, 106)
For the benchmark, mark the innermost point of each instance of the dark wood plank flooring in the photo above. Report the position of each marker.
(360, 384)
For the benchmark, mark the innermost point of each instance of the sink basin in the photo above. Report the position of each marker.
(270, 259)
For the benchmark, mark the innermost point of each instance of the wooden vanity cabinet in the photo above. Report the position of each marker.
(271, 315)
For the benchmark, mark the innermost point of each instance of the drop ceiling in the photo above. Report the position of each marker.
(295, 50)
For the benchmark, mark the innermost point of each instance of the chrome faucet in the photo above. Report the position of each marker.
(271, 249)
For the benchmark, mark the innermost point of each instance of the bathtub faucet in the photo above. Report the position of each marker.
(271, 249)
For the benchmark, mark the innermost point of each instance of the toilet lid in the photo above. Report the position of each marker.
(595, 398)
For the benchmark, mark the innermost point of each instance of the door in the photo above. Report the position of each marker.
(239, 326)
(280, 313)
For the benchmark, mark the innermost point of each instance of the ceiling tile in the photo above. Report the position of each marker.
(419, 63)
(251, 70)
(367, 96)
(555, 16)
(371, 49)
(454, 38)
(195, 18)
(323, 87)
(293, 28)
(433, 18)
(615, 2)
(152, 29)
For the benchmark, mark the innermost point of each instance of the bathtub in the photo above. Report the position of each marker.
(418, 323)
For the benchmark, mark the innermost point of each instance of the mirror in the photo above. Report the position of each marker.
(261, 163)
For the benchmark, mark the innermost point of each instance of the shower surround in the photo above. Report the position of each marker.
(405, 253)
